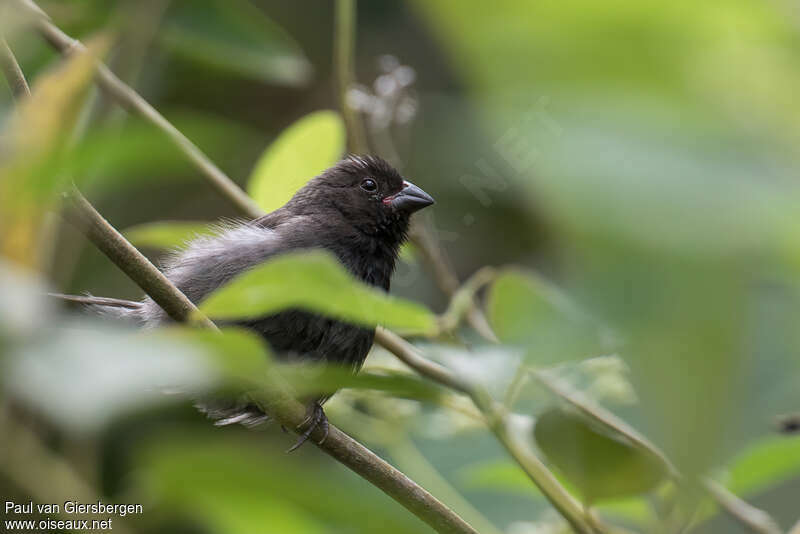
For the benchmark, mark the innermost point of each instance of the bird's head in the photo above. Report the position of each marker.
(367, 193)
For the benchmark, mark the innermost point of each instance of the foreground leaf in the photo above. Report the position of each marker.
(82, 375)
(242, 485)
(600, 463)
(32, 139)
(314, 281)
(303, 150)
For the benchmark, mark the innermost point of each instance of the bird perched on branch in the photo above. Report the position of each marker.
(359, 210)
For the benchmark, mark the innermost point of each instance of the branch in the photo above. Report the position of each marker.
(133, 102)
(344, 40)
(12, 72)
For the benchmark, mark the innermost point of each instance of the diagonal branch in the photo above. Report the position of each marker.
(12, 72)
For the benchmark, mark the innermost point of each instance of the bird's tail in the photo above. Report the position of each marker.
(108, 307)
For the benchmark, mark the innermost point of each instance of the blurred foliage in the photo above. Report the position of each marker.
(643, 157)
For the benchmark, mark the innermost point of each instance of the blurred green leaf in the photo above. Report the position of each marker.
(166, 234)
(526, 310)
(81, 375)
(239, 356)
(109, 156)
(602, 464)
(302, 151)
(31, 140)
(765, 464)
(234, 36)
(245, 483)
(314, 281)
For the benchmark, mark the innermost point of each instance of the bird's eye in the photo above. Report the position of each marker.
(369, 185)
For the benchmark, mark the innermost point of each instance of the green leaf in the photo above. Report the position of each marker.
(81, 375)
(302, 151)
(765, 464)
(314, 281)
(526, 310)
(240, 357)
(236, 37)
(166, 234)
(600, 463)
(232, 483)
(31, 140)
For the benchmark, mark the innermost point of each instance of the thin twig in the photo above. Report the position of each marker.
(133, 102)
(755, 519)
(445, 277)
(344, 41)
(463, 298)
(132, 262)
(12, 72)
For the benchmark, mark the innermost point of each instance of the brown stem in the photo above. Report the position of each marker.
(12, 72)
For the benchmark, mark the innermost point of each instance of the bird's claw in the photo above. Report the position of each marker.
(316, 418)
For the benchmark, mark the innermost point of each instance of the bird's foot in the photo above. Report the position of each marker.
(316, 418)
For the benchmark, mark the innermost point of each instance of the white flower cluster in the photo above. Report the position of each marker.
(391, 99)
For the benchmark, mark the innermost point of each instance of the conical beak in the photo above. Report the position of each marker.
(410, 199)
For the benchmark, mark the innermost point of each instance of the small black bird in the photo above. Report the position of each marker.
(359, 210)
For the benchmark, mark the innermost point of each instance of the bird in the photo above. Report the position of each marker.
(359, 210)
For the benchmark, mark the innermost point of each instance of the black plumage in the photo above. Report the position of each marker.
(359, 210)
